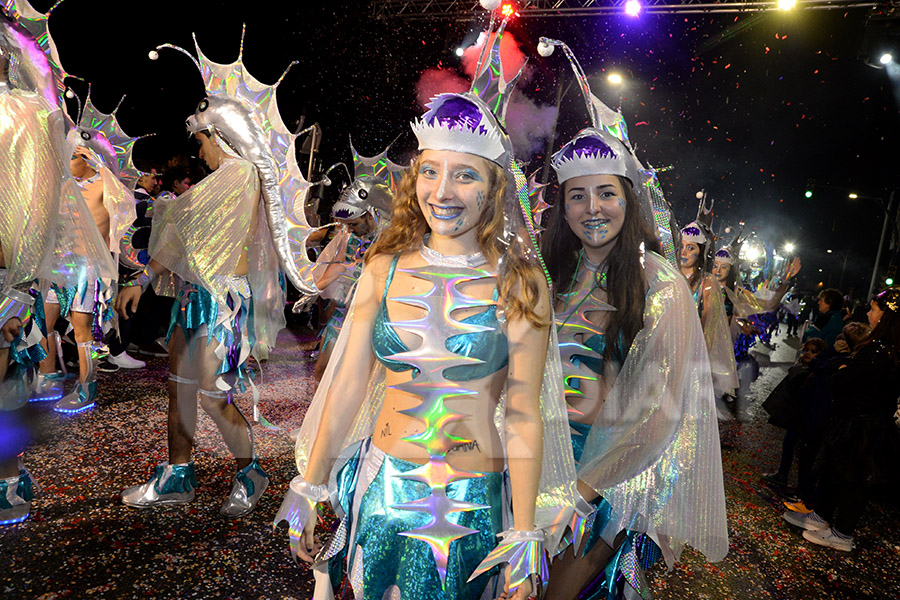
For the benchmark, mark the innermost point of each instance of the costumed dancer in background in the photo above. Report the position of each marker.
(98, 164)
(697, 247)
(217, 249)
(643, 435)
(749, 317)
(440, 405)
(34, 176)
(361, 212)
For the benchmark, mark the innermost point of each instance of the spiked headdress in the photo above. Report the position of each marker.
(242, 113)
(102, 134)
(604, 149)
(372, 188)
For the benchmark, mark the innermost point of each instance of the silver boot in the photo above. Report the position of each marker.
(16, 494)
(249, 485)
(170, 484)
(48, 386)
(84, 396)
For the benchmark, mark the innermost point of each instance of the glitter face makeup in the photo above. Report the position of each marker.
(595, 208)
(721, 270)
(689, 255)
(452, 188)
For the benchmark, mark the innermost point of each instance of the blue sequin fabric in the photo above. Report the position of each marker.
(384, 558)
(196, 309)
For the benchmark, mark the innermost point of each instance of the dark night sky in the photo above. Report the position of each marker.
(747, 107)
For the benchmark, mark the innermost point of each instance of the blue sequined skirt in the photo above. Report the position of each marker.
(196, 311)
(379, 557)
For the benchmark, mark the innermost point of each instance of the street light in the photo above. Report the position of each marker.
(786, 4)
(614, 78)
(886, 58)
(789, 247)
(828, 251)
(853, 196)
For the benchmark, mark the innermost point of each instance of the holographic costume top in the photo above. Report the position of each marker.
(718, 337)
(489, 345)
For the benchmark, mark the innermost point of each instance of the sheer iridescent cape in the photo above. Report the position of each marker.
(199, 237)
(556, 494)
(657, 430)
(718, 342)
(35, 170)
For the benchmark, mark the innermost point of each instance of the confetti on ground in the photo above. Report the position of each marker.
(81, 542)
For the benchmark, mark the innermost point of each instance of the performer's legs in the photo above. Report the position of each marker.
(51, 314)
(84, 395)
(16, 484)
(220, 408)
(183, 386)
(322, 361)
(174, 481)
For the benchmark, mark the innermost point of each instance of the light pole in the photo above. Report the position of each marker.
(887, 214)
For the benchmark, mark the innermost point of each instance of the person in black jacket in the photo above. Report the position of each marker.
(861, 441)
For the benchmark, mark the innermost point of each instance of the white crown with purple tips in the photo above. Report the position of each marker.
(461, 123)
(591, 152)
(692, 233)
(724, 255)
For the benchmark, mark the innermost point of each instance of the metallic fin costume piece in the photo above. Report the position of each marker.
(430, 359)
(102, 134)
(523, 551)
(244, 113)
(34, 64)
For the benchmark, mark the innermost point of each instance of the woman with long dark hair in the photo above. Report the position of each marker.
(862, 441)
(636, 371)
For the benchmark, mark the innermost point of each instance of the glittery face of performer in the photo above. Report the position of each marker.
(451, 190)
(595, 209)
(721, 270)
(209, 153)
(690, 255)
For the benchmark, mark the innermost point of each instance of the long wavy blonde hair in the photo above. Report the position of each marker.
(520, 287)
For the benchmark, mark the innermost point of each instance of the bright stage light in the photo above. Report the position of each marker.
(886, 58)
(789, 247)
(632, 8)
(460, 51)
(507, 10)
(786, 4)
(614, 78)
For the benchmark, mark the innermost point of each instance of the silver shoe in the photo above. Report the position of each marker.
(16, 494)
(249, 484)
(48, 386)
(170, 484)
(78, 400)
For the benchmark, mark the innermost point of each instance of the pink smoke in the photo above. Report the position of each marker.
(529, 124)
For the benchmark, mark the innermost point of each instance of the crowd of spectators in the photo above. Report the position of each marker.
(838, 405)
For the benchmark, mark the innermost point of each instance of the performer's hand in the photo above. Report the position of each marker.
(523, 592)
(128, 296)
(793, 268)
(11, 329)
(309, 547)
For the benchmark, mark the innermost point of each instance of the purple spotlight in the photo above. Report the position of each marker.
(632, 8)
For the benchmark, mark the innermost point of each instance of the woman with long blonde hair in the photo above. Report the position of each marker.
(436, 426)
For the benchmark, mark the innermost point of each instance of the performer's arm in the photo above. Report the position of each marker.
(346, 394)
(524, 428)
(128, 298)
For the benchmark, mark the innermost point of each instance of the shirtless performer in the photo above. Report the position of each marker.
(101, 191)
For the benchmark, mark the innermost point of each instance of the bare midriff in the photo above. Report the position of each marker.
(484, 451)
(93, 197)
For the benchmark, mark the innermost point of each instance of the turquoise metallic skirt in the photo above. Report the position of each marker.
(196, 311)
(380, 558)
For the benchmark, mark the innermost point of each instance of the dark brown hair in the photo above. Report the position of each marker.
(833, 297)
(626, 286)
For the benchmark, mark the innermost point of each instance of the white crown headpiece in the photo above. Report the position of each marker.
(724, 255)
(473, 122)
(591, 152)
(692, 233)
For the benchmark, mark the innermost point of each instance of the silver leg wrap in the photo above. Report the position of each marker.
(183, 380)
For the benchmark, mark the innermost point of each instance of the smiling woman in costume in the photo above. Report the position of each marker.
(637, 376)
(449, 427)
